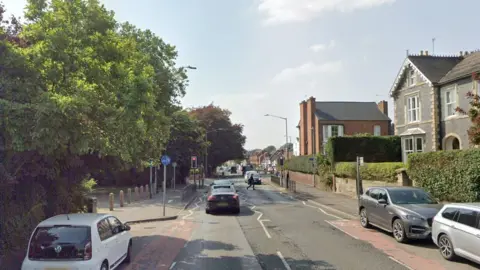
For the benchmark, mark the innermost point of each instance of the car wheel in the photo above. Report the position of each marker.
(207, 211)
(128, 258)
(236, 211)
(104, 266)
(364, 219)
(446, 247)
(399, 231)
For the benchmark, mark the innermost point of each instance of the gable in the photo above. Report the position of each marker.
(402, 74)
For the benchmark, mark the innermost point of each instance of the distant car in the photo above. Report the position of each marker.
(223, 198)
(407, 212)
(79, 241)
(456, 231)
(247, 174)
(257, 180)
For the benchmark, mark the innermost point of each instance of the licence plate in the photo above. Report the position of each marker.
(222, 204)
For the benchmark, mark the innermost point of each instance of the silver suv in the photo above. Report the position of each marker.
(407, 212)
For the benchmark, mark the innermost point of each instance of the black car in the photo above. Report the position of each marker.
(222, 198)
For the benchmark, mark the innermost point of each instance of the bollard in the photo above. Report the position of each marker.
(121, 198)
(137, 194)
(129, 195)
(147, 192)
(141, 192)
(111, 198)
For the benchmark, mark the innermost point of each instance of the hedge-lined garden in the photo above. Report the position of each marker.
(384, 171)
(371, 148)
(452, 176)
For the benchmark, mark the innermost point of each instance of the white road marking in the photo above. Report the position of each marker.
(283, 260)
(323, 211)
(253, 207)
(333, 209)
(173, 265)
(399, 262)
(170, 201)
(263, 225)
(186, 244)
(338, 228)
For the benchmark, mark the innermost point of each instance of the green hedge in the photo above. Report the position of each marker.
(384, 171)
(452, 176)
(301, 164)
(371, 148)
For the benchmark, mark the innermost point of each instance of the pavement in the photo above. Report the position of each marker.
(150, 209)
(276, 230)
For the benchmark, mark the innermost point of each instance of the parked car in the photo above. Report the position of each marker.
(221, 199)
(456, 231)
(247, 174)
(79, 241)
(407, 212)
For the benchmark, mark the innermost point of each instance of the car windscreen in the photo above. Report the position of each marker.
(62, 242)
(411, 196)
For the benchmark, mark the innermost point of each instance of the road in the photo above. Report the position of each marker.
(272, 231)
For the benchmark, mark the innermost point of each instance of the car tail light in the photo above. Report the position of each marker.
(211, 198)
(88, 251)
(235, 197)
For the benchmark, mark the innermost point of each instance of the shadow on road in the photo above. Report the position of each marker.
(244, 211)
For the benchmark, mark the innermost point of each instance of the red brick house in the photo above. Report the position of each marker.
(322, 120)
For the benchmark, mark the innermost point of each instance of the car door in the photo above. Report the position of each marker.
(119, 235)
(370, 204)
(107, 241)
(382, 210)
(465, 232)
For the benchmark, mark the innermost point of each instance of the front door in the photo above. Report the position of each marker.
(120, 238)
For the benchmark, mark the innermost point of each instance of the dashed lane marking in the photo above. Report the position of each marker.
(283, 260)
(323, 211)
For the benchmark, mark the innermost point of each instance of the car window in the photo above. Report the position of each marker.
(104, 229)
(61, 242)
(411, 196)
(374, 194)
(382, 194)
(221, 190)
(217, 187)
(449, 213)
(467, 217)
(115, 224)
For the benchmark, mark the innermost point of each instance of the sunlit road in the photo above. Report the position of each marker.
(272, 231)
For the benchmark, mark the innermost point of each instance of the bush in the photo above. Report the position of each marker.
(371, 148)
(384, 171)
(449, 175)
(301, 164)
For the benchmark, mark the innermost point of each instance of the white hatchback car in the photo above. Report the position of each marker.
(79, 241)
(456, 231)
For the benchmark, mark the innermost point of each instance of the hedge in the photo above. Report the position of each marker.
(452, 176)
(371, 148)
(301, 164)
(384, 171)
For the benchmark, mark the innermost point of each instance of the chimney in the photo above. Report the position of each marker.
(461, 53)
(303, 125)
(426, 53)
(383, 107)
(421, 52)
(310, 123)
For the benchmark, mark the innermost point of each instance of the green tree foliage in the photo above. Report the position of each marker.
(225, 140)
(269, 149)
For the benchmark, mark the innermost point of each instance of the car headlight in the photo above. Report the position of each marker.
(414, 218)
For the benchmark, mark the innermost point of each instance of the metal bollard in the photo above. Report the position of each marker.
(129, 195)
(147, 191)
(111, 198)
(121, 198)
(137, 194)
(141, 192)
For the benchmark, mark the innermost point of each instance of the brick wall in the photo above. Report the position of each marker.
(348, 186)
(303, 178)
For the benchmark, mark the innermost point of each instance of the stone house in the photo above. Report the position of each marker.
(426, 93)
(324, 119)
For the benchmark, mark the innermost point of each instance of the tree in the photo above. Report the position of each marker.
(473, 113)
(269, 149)
(225, 140)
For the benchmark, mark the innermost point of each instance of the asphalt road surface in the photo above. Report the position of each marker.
(272, 231)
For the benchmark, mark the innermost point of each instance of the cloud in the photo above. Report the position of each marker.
(285, 11)
(307, 70)
(321, 47)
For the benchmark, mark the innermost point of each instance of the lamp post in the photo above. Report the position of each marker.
(286, 131)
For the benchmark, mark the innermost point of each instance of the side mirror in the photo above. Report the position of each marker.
(382, 201)
(126, 227)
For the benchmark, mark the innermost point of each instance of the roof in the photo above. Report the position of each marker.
(469, 64)
(348, 110)
(434, 67)
(84, 219)
(413, 131)
(470, 205)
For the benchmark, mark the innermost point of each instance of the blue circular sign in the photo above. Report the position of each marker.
(165, 160)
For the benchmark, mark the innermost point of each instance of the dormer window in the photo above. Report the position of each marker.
(412, 78)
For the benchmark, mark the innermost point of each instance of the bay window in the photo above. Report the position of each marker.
(413, 144)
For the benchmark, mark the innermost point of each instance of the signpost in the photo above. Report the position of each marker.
(174, 165)
(359, 179)
(313, 160)
(194, 166)
(151, 176)
(165, 161)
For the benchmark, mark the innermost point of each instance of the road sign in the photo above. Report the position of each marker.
(165, 160)
(360, 161)
(174, 164)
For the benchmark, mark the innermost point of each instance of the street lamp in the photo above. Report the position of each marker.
(286, 130)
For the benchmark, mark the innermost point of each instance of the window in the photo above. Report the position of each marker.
(332, 131)
(412, 145)
(450, 97)
(412, 78)
(413, 109)
(115, 224)
(450, 213)
(467, 217)
(104, 230)
(377, 130)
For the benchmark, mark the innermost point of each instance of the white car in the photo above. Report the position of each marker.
(79, 241)
(247, 174)
(456, 232)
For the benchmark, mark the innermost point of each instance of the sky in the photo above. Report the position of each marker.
(257, 57)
